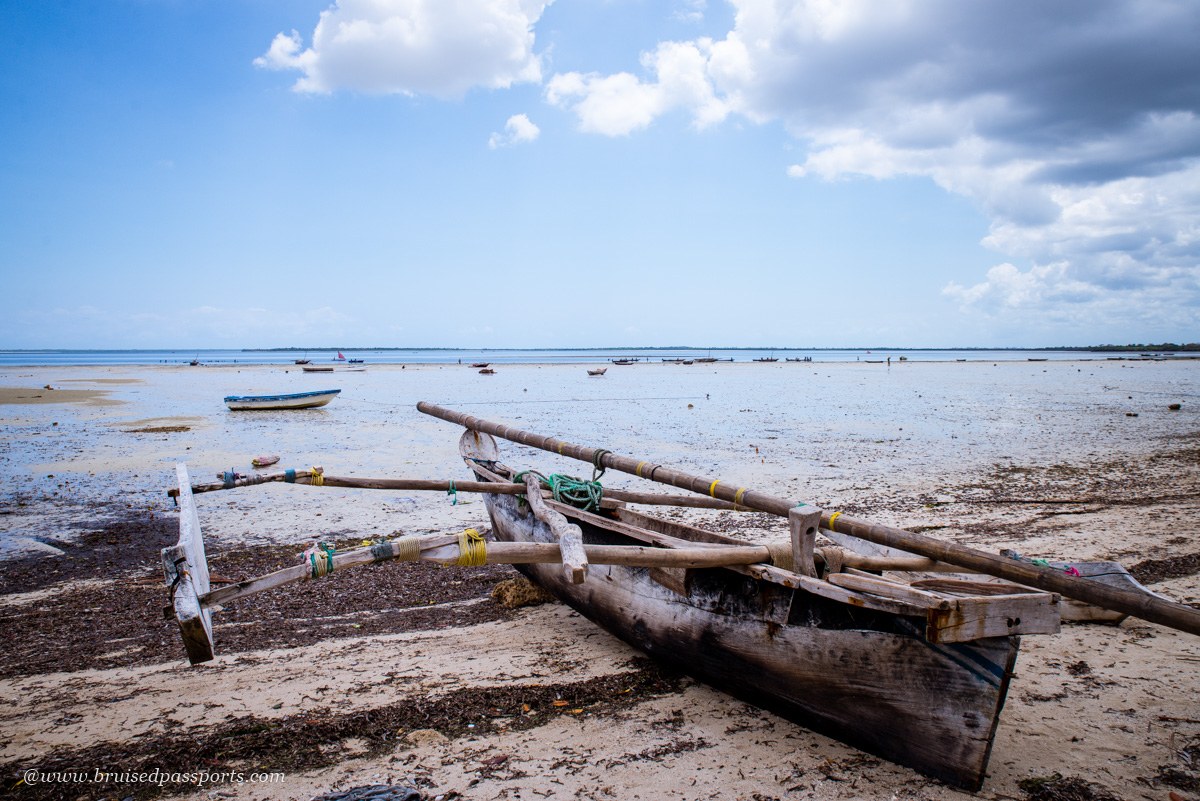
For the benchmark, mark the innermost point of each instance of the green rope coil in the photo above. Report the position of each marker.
(585, 495)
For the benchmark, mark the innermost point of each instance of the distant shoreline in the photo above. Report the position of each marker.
(1166, 347)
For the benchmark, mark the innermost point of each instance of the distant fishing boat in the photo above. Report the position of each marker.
(355, 361)
(767, 360)
(302, 361)
(487, 371)
(340, 357)
(624, 361)
(317, 369)
(299, 400)
(601, 371)
(481, 364)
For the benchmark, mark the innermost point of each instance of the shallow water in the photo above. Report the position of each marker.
(821, 432)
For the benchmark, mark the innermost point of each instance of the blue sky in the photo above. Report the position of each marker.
(511, 173)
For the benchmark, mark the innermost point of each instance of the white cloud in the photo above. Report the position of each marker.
(517, 129)
(690, 11)
(1074, 127)
(436, 47)
(620, 104)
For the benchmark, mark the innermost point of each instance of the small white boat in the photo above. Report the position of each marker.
(299, 400)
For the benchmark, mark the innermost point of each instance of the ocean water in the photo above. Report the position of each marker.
(822, 432)
(31, 358)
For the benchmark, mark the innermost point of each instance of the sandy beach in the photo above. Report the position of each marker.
(412, 674)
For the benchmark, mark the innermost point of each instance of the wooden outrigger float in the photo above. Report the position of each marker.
(913, 671)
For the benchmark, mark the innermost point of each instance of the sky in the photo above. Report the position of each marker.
(599, 173)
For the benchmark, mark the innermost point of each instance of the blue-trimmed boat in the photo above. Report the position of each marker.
(298, 400)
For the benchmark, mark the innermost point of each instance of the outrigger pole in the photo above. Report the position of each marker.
(1142, 605)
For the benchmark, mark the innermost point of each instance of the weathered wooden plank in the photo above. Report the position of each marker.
(889, 589)
(570, 539)
(677, 580)
(803, 522)
(186, 570)
(996, 616)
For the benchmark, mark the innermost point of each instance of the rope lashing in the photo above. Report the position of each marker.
(315, 478)
(408, 549)
(834, 559)
(229, 477)
(781, 555)
(472, 549)
(453, 491)
(320, 557)
(289, 476)
(598, 468)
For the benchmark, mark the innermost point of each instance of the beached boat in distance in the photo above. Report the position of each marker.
(481, 364)
(766, 360)
(600, 371)
(298, 400)
(624, 361)
(302, 361)
(315, 369)
(487, 371)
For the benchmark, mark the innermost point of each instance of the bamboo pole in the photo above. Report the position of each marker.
(436, 485)
(444, 548)
(1142, 605)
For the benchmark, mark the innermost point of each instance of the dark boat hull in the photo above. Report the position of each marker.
(864, 677)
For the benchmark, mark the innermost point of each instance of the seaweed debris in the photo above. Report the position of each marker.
(1057, 788)
(1151, 571)
(312, 740)
(106, 594)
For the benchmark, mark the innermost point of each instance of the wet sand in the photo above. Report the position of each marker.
(981, 454)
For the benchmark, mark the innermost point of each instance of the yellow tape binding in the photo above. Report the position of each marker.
(712, 487)
(737, 499)
(638, 472)
(833, 517)
(472, 549)
(315, 478)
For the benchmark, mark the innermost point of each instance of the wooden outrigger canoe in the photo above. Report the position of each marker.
(867, 669)
(914, 672)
